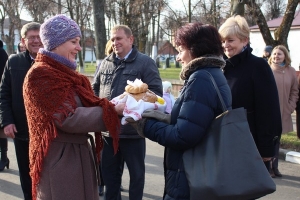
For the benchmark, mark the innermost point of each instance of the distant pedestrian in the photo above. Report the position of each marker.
(287, 85)
(21, 47)
(108, 51)
(267, 52)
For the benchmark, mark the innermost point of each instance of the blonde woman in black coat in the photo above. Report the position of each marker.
(252, 86)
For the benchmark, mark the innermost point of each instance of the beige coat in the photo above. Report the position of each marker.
(287, 85)
(68, 168)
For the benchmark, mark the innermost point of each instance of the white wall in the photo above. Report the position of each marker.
(89, 55)
(258, 45)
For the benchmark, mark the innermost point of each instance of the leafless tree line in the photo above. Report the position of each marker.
(150, 20)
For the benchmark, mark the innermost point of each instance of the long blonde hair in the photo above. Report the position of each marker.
(287, 57)
(108, 48)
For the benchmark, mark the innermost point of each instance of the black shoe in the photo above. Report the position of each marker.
(101, 190)
(4, 164)
(121, 188)
(272, 173)
(277, 172)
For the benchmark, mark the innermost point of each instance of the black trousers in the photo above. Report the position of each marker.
(274, 161)
(133, 152)
(22, 154)
(3, 148)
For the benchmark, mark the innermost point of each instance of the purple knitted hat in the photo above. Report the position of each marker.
(57, 30)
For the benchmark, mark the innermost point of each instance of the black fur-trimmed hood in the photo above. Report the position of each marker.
(204, 61)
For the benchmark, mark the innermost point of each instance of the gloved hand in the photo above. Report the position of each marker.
(156, 114)
(137, 125)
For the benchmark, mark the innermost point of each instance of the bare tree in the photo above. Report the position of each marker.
(10, 9)
(137, 14)
(79, 11)
(100, 31)
(40, 9)
(274, 8)
(281, 33)
(213, 11)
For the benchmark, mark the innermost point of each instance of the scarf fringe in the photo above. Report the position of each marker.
(38, 155)
(49, 88)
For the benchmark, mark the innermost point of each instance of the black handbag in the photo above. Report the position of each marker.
(226, 163)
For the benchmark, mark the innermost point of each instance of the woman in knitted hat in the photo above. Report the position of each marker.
(61, 109)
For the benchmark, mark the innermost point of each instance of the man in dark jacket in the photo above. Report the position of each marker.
(4, 162)
(12, 110)
(3, 58)
(125, 63)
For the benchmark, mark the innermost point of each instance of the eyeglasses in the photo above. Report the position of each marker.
(33, 38)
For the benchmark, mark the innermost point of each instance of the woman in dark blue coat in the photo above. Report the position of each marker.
(200, 51)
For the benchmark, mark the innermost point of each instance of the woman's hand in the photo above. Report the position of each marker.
(119, 108)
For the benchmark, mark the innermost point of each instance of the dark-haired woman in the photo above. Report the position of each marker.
(200, 51)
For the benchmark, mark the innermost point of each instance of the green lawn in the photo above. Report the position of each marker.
(290, 141)
(89, 68)
(169, 73)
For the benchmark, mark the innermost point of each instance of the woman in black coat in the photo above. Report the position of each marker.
(252, 85)
(200, 51)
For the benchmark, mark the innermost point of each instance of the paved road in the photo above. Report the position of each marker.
(288, 187)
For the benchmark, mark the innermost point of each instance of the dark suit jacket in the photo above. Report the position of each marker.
(12, 109)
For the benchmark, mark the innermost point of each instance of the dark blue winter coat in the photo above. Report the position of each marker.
(191, 116)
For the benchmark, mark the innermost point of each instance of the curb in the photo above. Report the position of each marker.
(290, 156)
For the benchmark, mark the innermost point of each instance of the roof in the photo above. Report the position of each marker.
(167, 48)
(274, 23)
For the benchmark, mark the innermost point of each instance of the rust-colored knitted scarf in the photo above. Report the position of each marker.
(48, 85)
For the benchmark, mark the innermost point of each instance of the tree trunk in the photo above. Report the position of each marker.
(100, 31)
(237, 8)
(158, 27)
(190, 11)
(281, 33)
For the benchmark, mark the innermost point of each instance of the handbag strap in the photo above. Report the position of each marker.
(217, 90)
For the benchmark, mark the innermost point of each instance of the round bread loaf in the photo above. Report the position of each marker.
(136, 89)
